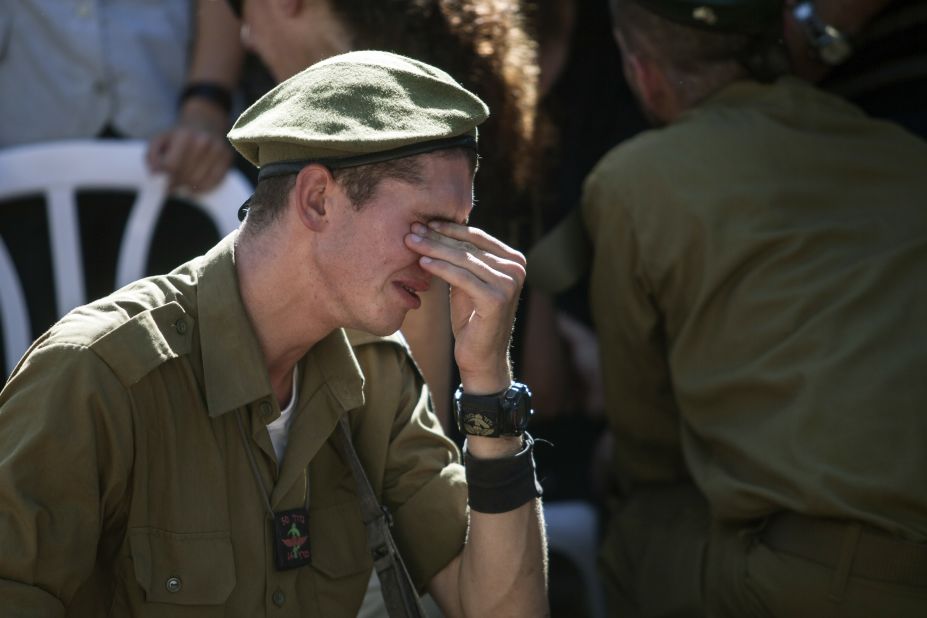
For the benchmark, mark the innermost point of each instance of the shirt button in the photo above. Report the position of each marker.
(279, 598)
(173, 584)
(265, 409)
(181, 326)
(100, 87)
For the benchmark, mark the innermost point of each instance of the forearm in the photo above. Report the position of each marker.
(503, 567)
(216, 59)
(195, 152)
(217, 50)
(501, 570)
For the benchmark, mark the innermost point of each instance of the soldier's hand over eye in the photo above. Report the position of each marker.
(486, 278)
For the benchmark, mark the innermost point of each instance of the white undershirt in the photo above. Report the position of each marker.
(280, 428)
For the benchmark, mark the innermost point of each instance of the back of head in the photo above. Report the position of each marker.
(703, 40)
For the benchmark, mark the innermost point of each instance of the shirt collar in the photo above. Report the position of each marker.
(234, 370)
(786, 93)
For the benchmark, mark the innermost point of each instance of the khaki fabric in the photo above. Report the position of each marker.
(668, 559)
(759, 287)
(361, 102)
(122, 464)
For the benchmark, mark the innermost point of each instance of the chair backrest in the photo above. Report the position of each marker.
(57, 171)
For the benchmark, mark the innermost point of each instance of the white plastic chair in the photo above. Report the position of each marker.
(57, 170)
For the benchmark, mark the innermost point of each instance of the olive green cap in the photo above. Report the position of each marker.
(357, 108)
(732, 16)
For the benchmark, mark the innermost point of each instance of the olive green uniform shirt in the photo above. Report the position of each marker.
(125, 488)
(760, 291)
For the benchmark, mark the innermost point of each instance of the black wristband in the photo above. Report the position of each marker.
(502, 485)
(211, 91)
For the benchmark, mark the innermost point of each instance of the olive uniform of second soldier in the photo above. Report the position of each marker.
(758, 286)
(181, 447)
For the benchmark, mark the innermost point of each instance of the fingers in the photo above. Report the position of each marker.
(215, 157)
(155, 151)
(479, 239)
(192, 157)
(472, 251)
(486, 277)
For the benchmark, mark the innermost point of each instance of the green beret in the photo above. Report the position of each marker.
(358, 108)
(731, 16)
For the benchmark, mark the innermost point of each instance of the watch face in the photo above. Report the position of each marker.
(518, 408)
(503, 414)
(478, 425)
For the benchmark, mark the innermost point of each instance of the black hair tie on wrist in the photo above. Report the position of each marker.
(502, 485)
(210, 91)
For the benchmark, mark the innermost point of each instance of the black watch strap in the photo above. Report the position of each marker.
(501, 414)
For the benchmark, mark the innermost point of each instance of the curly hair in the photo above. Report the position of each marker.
(484, 45)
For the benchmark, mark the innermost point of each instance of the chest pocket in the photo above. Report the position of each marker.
(339, 540)
(183, 569)
(339, 559)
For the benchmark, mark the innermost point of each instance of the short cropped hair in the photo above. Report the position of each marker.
(693, 52)
(268, 201)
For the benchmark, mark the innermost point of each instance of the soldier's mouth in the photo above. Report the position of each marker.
(409, 290)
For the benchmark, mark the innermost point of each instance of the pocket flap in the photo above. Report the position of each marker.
(184, 569)
(338, 540)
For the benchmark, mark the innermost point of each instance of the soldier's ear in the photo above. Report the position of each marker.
(311, 192)
(638, 71)
(653, 87)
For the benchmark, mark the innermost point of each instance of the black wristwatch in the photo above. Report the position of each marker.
(501, 414)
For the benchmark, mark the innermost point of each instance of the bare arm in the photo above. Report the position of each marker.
(501, 570)
(195, 152)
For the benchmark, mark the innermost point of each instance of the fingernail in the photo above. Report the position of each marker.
(415, 238)
(426, 260)
(434, 224)
(418, 228)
